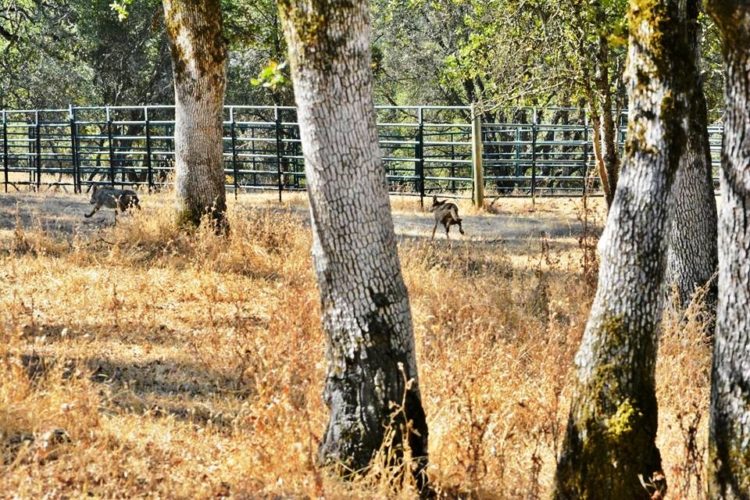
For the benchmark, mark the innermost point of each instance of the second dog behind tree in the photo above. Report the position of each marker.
(121, 199)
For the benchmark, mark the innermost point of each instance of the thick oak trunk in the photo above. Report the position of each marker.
(609, 445)
(199, 54)
(365, 307)
(692, 258)
(729, 427)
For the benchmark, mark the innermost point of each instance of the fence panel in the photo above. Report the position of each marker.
(426, 150)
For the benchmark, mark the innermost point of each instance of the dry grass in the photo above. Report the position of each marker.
(138, 361)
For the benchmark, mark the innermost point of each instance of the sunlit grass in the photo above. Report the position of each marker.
(137, 360)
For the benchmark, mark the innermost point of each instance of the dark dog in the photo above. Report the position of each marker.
(446, 213)
(121, 199)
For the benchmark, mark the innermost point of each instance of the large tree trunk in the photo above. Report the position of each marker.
(612, 425)
(729, 428)
(692, 256)
(199, 54)
(365, 307)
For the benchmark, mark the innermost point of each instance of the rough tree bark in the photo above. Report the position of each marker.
(692, 258)
(612, 424)
(729, 427)
(199, 54)
(365, 307)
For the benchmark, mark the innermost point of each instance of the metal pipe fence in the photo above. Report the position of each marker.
(426, 150)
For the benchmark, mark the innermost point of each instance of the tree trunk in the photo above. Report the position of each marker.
(365, 307)
(608, 133)
(692, 256)
(729, 427)
(199, 56)
(609, 442)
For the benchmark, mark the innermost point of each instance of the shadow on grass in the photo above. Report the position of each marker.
(160, 388)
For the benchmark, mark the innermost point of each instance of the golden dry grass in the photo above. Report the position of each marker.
(188, 366)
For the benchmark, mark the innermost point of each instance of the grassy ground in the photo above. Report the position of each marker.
(138, 361)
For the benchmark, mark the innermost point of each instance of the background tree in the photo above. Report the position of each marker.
(37, 55)
(692, 256)
(610, 438)
(199, 56)
(597, 27)
(365, 307)
(729, 427)
(128, 54)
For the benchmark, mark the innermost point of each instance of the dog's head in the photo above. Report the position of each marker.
(436, 203)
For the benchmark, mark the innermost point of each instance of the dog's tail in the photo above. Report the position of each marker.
(454, 214)
(457, 219)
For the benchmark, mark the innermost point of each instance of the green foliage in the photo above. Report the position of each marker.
(498, 52)
(121, 8)
(272, 76)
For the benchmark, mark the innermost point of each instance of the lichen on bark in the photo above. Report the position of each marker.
(610, 438)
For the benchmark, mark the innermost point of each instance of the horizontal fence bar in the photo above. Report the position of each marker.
(425, 149)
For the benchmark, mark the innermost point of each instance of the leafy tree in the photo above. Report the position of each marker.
(38, 55)
(126, 49)
(257, 73)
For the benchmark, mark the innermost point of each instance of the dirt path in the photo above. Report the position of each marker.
(514, 224)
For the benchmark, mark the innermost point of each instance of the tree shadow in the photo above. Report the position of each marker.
(158, 387)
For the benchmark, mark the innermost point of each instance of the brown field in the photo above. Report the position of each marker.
(136, 361)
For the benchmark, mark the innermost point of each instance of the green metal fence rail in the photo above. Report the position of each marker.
(426, 149)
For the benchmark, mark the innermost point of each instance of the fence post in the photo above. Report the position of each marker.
(74, 149)
(111, 149)
(453, 165)
(533, 154)
(420, 156)
(149, 167)
(234, 152)
(5, 148)
(519, 167)
(476, 156)
(38, 143)
(277, 120)
(585, 151)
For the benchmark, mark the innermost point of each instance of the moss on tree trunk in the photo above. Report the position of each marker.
(609, 449)
(365, 308)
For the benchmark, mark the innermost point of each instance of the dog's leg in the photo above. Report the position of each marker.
(96, 207)
(433, 230)
(460, 228)
(448, 231)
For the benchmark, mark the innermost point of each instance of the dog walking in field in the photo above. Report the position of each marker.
(113, 198)
(446, 213)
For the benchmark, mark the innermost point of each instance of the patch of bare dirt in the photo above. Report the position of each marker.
(514, 223)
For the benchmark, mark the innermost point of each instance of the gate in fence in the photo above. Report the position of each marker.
(426, 150)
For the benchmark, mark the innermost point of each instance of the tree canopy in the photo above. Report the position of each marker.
(495, 52)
